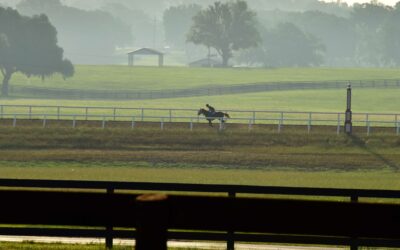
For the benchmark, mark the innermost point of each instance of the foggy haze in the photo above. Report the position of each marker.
(333, 33)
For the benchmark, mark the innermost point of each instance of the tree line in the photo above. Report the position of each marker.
(363, 35)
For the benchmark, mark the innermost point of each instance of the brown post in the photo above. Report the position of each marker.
(152, 218)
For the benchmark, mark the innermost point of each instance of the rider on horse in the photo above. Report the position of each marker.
(210, 109)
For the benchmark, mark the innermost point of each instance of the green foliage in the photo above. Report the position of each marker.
(177, 21)
(87, 36)
(227, 27)
(286, 46)
(30, 47)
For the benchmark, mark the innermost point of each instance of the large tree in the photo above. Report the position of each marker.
(177, 22)
(286, 45)
(29, 45)
(226, 27)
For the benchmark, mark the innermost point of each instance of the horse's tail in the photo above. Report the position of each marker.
(226, 114)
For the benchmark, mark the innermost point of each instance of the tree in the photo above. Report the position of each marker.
(177, 21)
(88, 37)
(286, 46)
(29, 45)
(391, 37)
(226, 27)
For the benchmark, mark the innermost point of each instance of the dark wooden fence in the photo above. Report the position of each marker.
(31, 91)
(103, 212)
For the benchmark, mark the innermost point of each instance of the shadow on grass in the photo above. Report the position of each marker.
(357, 141)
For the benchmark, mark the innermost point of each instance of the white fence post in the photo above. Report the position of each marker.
(162, 124)
(114, 113)
(30, 112)
(279, 125)
(250, 127)
(142, 114)
(395, 120)
(191, 124)
(1, 111)
(170, 115)
(103, 124)
(15, 121)
(254, 117)
(74, 122)
(58, 113)
(398, 128)
(309, 122)
(367, 119)
(86, 113)
(368, 128)
(133, 122)
(220, 125)
(338, 124)
(44, 121)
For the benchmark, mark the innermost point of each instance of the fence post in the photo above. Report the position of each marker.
(281, 118)
(44, 121)
(86, 113)
(170, 115)
(250, 127)
(230, 243)
(58, 113)
(15, 121)
(109, 228)
(368, 128)
(254, 117)
(152, 219)
(279, 126)
(395, 120)
(30, 112)
(133, 122)
(398, 128)
(338, 124)
(221, 123)
(309, 122)
(142, 114)
(191, 124)
(114, 113)
(74, 122)
(162, 124)
(1, 111)
(103, 124)
(366, 119)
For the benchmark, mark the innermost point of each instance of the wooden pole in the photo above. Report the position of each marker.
(152, 218)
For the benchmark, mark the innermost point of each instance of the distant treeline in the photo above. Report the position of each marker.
(294, 33)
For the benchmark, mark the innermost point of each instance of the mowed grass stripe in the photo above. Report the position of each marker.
(105, 77)
(363, 100)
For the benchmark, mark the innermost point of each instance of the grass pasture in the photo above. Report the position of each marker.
(154, 78)
(202, 156)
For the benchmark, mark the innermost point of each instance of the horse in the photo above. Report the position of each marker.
(212, 116)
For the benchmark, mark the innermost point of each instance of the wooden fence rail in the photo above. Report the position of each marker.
(200, 91)
(351, 223)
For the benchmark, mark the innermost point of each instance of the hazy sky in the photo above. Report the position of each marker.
(387, 2)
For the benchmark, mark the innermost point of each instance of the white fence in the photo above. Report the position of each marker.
(250, 118)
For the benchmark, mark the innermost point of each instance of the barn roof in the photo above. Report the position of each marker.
(145, 51)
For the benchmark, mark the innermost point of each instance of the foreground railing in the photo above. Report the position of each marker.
(108, 211)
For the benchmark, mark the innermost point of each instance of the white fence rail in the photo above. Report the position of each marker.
(250, 118)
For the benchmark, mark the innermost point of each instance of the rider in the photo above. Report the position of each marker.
(210, 109)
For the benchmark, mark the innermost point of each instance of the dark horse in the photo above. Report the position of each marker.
(210, 117)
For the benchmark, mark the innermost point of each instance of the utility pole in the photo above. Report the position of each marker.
(348, 125)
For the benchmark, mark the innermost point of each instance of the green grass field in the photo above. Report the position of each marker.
(154, 78)
(258, 157)
(176, 155)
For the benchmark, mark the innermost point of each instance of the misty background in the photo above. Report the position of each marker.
(294, 33)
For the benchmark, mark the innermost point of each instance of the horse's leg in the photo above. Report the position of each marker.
(209, 123)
